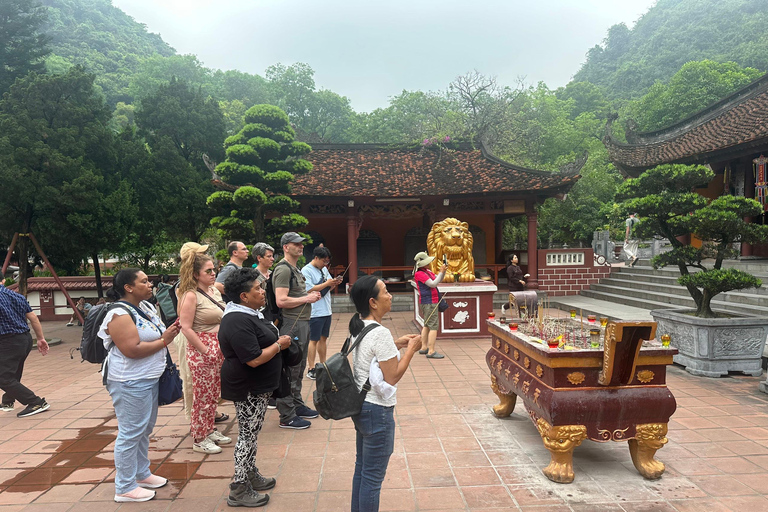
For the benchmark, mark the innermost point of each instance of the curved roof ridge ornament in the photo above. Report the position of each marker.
(573, 168)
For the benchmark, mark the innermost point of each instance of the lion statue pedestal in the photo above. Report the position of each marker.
(469, 299)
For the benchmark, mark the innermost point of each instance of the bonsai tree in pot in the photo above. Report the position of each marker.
(667, 205)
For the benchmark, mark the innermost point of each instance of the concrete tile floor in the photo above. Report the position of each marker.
(451, 453)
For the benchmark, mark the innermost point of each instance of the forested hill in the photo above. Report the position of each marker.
(672, 33)
(104, 39)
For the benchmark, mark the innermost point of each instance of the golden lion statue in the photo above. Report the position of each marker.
(452, 239)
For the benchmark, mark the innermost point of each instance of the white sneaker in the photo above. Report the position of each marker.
(139, 494)
(7, 407)
(206, 446)
(219, 438)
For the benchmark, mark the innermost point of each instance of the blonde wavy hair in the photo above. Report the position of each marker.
(193, 257)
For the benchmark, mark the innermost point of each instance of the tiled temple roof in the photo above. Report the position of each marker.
(736, 124)
(383, 170)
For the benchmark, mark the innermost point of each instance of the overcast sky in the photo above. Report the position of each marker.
(370, 51)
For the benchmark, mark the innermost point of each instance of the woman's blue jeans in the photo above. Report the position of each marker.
(135, 403)
(375, 426)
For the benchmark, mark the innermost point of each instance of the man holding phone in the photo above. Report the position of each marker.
(293, 299)
(319, 280)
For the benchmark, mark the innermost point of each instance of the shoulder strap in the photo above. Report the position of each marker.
(128, 307)
(368, 328)
(290, 268)
(211, 299)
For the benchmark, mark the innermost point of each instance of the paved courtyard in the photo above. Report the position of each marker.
(451, 453)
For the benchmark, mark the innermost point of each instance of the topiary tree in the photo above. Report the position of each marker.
(664, 199)
(261, 161)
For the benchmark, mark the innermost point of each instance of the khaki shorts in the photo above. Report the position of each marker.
(426, 312)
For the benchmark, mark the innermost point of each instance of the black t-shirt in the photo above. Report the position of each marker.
(242, 338)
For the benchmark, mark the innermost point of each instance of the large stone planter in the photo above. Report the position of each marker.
(712, 347)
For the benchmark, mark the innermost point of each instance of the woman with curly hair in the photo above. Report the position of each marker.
(200, 310)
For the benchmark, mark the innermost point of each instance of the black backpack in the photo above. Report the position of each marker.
(336, 395)
(91, 345)
(272, 312)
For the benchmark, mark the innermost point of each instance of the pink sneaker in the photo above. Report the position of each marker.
(136, 495)
(152, 482)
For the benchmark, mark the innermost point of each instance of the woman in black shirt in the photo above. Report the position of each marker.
(250, 373)
(515, 275)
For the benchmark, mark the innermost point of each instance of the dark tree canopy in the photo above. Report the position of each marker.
(59, 169)
(181, 124)
(22, 46)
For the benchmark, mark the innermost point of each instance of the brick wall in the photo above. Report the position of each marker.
(569, 279)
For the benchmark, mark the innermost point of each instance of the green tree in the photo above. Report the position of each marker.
(235, 85)
(292, 88)
(694, 87)
(58, 168)
(671, 33)
(411, 116)
(181, 125)
(156, 71)
(122, 117)
(234, 115)
(185, 115)
(102, 38)
(262, 160)
(667, 207)
(23, 48)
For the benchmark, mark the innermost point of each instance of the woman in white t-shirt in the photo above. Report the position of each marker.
(375, 425)
(136, 339)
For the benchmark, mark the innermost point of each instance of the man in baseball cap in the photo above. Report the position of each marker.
(295, 303)
(292, 237)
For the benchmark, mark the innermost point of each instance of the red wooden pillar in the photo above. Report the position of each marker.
(533, 253)
(352, 230)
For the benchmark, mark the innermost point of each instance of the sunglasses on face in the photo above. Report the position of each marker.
(209, 271)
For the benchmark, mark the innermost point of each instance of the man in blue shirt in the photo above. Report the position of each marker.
(318, 279)
(15, 346)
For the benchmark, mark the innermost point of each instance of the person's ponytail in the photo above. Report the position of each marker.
(361, 294)
(355, 324)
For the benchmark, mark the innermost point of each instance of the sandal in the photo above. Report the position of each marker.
(223, 417)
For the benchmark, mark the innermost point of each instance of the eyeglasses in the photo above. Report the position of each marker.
(209, 271)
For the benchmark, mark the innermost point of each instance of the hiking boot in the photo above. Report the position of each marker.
(306, 413)
(7, 407)
(241, 495)
(219, 438)
(34, 409)
(296, 423)
(206, 446)
(272, 403)
(259, 482)
(137, 495)
(311, 374)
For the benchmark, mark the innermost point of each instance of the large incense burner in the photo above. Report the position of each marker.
(614, 392)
